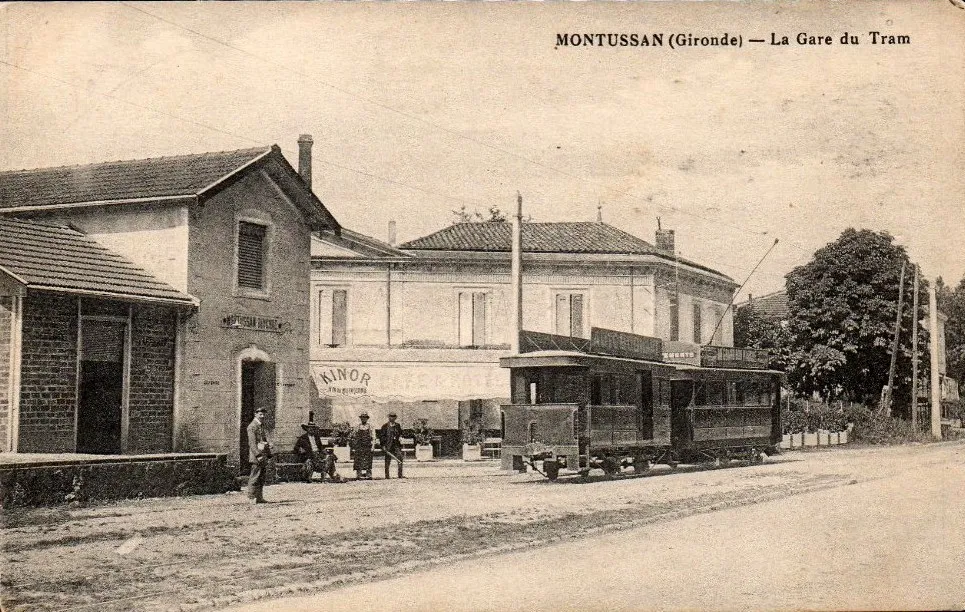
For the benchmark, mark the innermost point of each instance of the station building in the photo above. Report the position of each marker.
(418, 329)
(151, 305)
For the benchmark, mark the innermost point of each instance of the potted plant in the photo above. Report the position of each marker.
(341, 432)
(472, 437)
(422, 436)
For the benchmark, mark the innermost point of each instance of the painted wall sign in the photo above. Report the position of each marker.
(255, 323)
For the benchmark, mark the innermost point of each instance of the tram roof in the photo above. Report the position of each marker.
(549, 359)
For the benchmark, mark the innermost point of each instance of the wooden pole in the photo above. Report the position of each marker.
(914, 355)
(516, 271)
(894, 344)
(936, 410)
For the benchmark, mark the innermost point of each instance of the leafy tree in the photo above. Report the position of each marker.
(843, 305)
(952, 303)
(753, 329)
(495, 215)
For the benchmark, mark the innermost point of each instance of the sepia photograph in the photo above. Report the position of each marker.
(482, 306)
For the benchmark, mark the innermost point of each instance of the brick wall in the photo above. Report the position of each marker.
(152, 379)
(48, 373)
(6, 319)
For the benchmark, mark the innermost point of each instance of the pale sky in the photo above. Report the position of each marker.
(419, 109)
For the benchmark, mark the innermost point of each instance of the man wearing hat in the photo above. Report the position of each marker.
(390, 437)
(259, 452)
(311, 453)
(362, 447)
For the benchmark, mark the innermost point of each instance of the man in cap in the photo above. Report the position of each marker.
(259, 452)
(390, 437)
(362, 447)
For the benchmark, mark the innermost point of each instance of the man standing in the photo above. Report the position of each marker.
(390, 437)
(259, 452)
(362, 448)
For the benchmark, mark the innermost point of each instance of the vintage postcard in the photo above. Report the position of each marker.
(482, 305)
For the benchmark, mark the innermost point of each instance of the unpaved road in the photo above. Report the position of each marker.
(895, 543)
(216, 551)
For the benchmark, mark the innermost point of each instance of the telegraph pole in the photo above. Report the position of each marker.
(516, 270)
(894, 344)
(936, 410)
(914, 356)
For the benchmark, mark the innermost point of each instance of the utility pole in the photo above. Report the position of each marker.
(914, 356)
(516, 270)
(936, 410)
(894, 344)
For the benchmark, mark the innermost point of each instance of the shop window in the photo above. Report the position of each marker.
(251, 255)
(570, 314)
(333, 317)
(472, 318)
(697, 324)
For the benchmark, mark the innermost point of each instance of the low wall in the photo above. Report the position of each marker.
(49, 483)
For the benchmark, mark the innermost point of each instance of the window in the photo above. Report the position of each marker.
(674, 317)
(569, 314)
(697, 322)
(333, 317)
(472, 318)
(251, 255)
(718, 338)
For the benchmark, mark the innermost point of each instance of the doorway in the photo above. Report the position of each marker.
(257, 391)
(101, 386)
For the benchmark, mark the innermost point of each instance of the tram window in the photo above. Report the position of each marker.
(735, 393)
(596, 390)
(700, 394)
(664, 392)
(532, 393)
(715, 393)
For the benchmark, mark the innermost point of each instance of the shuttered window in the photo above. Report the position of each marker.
(472, 318)
(697, 324)
(569, 314)
(251, 255)
(333, 317)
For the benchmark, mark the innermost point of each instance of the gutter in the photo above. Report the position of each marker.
(192, 301)
(46, 207)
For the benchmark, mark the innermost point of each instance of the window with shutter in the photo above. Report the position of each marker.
(697, 324)
(569, 314)
(251, 255)
(472, 318)
(333, 317)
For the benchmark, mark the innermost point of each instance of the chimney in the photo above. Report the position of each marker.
(392, 232)
(665, 240)
(305, 158)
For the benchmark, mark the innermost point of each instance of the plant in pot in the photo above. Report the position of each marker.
(422, 436)
(341, 432)
(472, 437)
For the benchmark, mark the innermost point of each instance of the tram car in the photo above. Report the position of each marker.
(613, 401)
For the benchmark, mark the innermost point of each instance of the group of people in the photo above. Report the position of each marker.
(318, 457)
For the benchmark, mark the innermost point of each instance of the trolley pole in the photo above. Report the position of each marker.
(936, 410)
(914, 355)
(516, 271)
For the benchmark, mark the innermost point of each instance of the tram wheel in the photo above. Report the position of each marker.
(551, 469)
(610, 466)
(673, 464)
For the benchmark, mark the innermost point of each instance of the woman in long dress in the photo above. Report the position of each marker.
(362, 448)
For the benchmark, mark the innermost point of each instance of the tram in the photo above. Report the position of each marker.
(613, 401)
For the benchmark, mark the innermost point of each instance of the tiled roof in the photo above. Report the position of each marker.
(572, 237)
(772, 305)
(577, 237)
(181, 175)
(60, 259)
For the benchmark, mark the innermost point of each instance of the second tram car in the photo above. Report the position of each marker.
(612, 402)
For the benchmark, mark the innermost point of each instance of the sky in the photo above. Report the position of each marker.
(419, 109)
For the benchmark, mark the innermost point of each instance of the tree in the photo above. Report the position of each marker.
(464, 216)
(952, 304)
(843, 305)
(753, 329)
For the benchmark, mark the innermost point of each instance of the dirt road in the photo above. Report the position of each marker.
(895, 543)
(216, 551)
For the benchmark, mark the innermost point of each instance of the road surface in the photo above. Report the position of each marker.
(890, 543)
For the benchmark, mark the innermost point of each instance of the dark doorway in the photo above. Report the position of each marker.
(257, 390)
(101, 386)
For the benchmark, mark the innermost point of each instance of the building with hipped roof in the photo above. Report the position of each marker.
(151, 305)
(419, 328)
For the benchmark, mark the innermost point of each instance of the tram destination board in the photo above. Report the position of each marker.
(623, 344)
